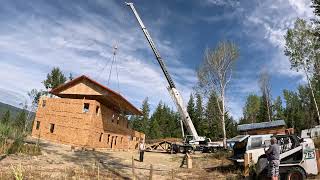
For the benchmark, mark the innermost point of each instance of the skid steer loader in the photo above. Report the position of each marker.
(298, 158)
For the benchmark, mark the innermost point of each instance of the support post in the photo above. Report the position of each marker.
(245, 165)
(189, 161)
(247, 161)
(151, 172)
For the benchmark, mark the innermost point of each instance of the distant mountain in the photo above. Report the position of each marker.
(14, 111)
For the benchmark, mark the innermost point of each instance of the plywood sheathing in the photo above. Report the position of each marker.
(78, 128)
(84, 87)
(107, 128)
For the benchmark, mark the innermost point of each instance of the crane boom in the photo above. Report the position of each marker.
(177, 98)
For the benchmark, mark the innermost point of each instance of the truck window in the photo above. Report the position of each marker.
(256, 142)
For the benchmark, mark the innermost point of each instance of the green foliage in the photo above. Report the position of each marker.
(199, 115)
(251, 109)
(6, 118)
(212, 123)
(34, 96)
(299, 46)
(142, 123)
(164, 123)
(54, 79)
(21, 120)
(278, 109)
(191, 109)
(263, 110)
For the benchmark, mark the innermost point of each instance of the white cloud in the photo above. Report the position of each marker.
(271, 24)
(84, 47)
(231, 3)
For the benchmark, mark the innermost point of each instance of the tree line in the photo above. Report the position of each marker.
(164, 122)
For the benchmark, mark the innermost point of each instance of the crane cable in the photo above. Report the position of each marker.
(114, 62)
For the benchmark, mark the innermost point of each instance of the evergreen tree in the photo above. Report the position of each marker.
(199, 115)
(6, 117)
(141, 123)
(293, 112)
(145, 116)
(251, 109)
(20, 120)
(278, 109)
(263, 110)
(155, 130)
(213, 122)
(54, 79)
(191, 110)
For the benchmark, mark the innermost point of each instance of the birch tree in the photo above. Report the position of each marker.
(302, 52)
(265, 87)
(215, 73)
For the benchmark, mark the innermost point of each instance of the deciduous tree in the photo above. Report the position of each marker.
(215, 74)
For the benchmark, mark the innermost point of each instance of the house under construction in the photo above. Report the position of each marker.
(86, 114)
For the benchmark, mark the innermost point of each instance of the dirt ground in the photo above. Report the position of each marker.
(61, 162)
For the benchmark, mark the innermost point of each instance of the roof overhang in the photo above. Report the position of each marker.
(104, 95)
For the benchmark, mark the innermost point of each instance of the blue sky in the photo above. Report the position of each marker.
(78, 36)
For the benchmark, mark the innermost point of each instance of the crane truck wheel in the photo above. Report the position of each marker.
(296, 173)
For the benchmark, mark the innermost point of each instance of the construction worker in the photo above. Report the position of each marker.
(141, 150)
(273, 156)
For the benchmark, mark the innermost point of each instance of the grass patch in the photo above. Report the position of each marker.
(221, 154)
(12, 141)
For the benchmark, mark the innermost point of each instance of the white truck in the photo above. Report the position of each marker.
(297, 156)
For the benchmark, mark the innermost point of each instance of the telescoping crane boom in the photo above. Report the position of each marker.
(177, 98)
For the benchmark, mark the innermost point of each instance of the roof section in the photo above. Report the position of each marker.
(263, 125)
(84, 87)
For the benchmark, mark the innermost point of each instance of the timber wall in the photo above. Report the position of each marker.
(99, 127)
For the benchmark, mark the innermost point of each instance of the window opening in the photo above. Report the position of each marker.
(100, 138)
(38, 125)
(44, 103)
(51, 128)
(97, 110)
(86, 107)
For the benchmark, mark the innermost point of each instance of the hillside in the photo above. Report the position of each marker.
(13, 110)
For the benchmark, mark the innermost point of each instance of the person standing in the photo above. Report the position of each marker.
(273, 156)
(141, 150)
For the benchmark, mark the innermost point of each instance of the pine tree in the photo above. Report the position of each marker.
(278, 109)
(263, 110)
(190, 107)
(20, 120)
(155, 130)
(213, 121)
(54, 79)
(251, 109)
(199, 115)
(145, 116)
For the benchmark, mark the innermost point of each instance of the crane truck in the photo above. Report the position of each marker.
(192, 141)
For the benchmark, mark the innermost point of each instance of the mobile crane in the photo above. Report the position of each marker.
(192, 141)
